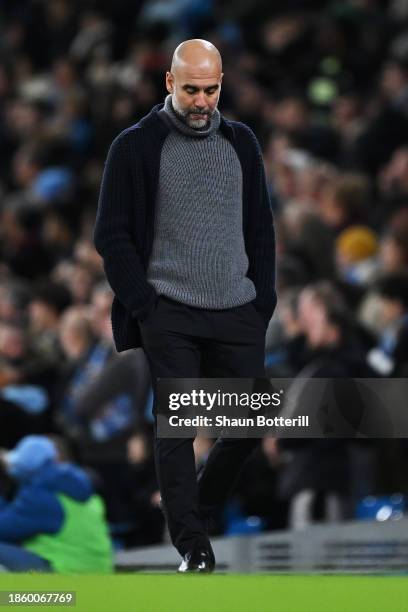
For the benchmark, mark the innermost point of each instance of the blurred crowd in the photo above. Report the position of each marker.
(324, 86)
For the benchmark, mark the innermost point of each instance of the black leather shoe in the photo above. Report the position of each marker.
(199, 560)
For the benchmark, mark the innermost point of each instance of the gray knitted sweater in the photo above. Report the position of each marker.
(198, 255)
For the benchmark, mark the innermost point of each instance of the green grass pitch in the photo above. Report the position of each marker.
(216, 593)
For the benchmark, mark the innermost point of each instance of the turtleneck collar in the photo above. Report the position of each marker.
(177, 122)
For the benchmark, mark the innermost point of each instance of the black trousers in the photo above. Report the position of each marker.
(181, 341)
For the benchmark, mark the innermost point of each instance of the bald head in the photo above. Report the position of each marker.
(196, 54)
(194, 81)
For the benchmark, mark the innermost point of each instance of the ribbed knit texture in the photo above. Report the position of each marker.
(124, 228)
(198, 255)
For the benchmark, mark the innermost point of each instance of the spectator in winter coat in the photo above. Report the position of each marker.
(54, 522)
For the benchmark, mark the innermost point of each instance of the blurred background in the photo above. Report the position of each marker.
(324, 86)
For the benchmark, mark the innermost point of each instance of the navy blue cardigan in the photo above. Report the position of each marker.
(124, 227)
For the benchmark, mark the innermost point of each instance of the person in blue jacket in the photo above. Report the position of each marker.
(55, 522)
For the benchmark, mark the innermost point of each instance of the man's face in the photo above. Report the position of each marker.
(313, 319)
(390, 310)
(195, 93)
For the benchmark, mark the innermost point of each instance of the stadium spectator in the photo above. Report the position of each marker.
(344, 201)
(102, 396)
(394, 245)
(390, 358)
(45, 308)
(356, 250)
(54, 521)
(315, 474)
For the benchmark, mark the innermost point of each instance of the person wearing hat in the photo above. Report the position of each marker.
(356, 251)
(55, 522)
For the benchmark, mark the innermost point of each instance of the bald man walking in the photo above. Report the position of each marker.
(185, 229)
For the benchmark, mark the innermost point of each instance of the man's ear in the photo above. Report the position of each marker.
(169, 82)
(222, 74)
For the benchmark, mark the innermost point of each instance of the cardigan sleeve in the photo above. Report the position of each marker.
(112, 234)
(261, 248)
